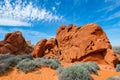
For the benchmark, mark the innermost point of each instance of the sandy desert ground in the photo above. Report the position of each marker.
(45, 73)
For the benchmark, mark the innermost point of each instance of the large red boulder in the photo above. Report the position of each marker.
(14, 43)
(39, 49)
(85, 43)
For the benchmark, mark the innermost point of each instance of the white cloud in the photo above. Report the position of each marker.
(22, 11)
(10, 22)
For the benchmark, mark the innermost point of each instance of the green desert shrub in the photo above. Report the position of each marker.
(92, 67)
(27, 65)
(8, 60)
(118, 67)
(79, 71)
(25, 56)
(75, 72)
(26, 62)
(114, 78)
(5, 56)
(14, 60)
(4, 68)
(117, 49)
(50, 62)
(93, 64)
(60, 69)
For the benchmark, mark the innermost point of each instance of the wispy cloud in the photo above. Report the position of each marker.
(32, 34)
(113, 5)
(109, 10)
(115, 15)
(27, 33)
(9, 22)
(24, 12)
(117, 26)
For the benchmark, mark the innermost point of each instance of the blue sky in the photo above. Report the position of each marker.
(38, 19)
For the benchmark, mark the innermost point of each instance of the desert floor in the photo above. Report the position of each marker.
(45, 73)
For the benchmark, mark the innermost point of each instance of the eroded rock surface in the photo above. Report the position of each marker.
(14, 43)
(85, 43)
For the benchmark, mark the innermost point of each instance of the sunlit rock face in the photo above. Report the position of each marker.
(85, 43)
(14, 43)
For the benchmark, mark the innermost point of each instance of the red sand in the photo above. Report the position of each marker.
(40, 74)
(45, 73)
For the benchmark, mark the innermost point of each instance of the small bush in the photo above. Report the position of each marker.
(93, 64)
(79, 71)
(52, 63)
(25, 62)
(5, 56)
(74, 72)
(118, 67)
(60, 69)
(4, 68)
(117, 49)
(114, 78)
(13, 60)
(26, 65)
(25, 56)
(8, 60)
(92, 67)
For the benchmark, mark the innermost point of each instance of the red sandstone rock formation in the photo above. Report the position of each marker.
(39, 48)
(14, 43)
(86, 43)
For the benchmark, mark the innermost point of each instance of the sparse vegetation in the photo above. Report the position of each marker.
(92, 67)
(117, 49)
(14, 59)
(5, 56)
(75, 72)
(7, 60)
(25, 62)
(80, 71)
(3, 68)
(52, 63)
(27, 65)
(114, 78)
(118, 67)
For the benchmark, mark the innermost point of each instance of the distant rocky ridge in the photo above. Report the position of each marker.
(85, 43)
(14, 43)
